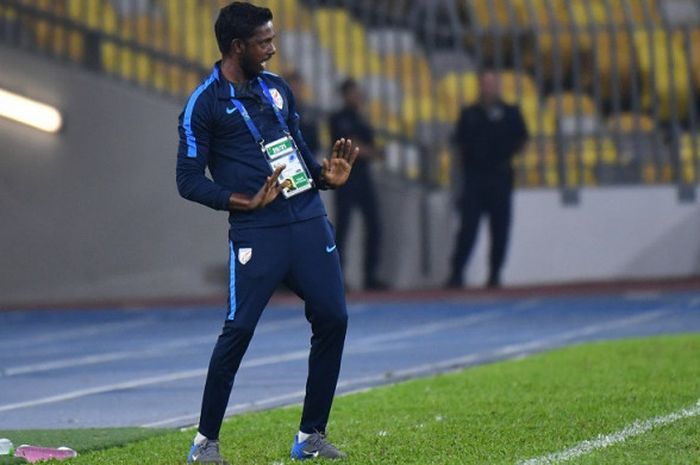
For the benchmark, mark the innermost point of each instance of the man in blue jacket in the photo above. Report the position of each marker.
(241, 123)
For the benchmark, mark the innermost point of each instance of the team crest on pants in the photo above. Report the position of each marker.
(277, 98)
(244, 255)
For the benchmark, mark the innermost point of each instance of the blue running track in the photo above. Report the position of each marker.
(146, 367)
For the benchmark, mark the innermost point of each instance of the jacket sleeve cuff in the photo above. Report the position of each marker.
(223, 200)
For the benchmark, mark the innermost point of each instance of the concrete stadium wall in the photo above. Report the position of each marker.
(615, 233)
(93, 212)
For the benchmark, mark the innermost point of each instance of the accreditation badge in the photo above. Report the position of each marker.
(284, 151)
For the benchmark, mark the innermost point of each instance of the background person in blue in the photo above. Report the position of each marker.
(233, 124)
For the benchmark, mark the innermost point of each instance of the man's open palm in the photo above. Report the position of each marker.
(335, 170)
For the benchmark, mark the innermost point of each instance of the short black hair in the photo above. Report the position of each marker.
(239, 20)
(347, 85)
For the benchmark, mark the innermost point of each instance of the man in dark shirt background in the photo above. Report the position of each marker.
(488, 135)
(359, 191)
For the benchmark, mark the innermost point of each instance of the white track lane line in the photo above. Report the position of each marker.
(361, 343)
(602, 441)
(154, 351)
(507, 351)
(73, 333)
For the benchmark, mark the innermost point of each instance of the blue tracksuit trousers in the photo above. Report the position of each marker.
(304, 257)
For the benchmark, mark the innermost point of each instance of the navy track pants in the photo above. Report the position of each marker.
(302, 255)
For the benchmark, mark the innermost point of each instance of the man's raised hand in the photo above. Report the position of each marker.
(335, 170)
(267, 193)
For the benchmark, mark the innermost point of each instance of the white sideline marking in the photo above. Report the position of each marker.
(512, 351)
(82, 331)
(638, 427)
(358, 345)
(153, 351)
(156, 350)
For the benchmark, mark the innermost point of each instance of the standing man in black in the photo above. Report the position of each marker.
(359, 191)
(488, 135)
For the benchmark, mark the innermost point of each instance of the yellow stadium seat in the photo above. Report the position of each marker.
(415, 110)
(613, 55)
(209, 52)
(690, 157)
(517, 86)
(493, 13)
(176, 27)
(538, 164)
(666, 76)
(287, 14)
(538, 118)
(557, 39)
(591, 155)
(110, 55)
(347, 40)
(571, 104)
(628, 123)
(454, 91)
(382, 117)
(695, 57)
(411, 70)
(528, 166)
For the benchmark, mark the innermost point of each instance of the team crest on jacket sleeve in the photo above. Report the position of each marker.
(277, 98)
(244, 255)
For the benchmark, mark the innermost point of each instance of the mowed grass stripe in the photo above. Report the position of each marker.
(500, 413)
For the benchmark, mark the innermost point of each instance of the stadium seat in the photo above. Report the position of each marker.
(663, 76)
(690, 158)
(642, 154)
(630, 123)
(416, 110)
(538, 118)
(301, 51)
(454, 91)
(494, 13)
(387, 91)
(573, 114)
(387, 40)
(558, 40)
(537, 165)
(346, 38)
(593, 157)
(411, 69)
(516, 86)
(694, 46)
(383, 118)
(289, 15)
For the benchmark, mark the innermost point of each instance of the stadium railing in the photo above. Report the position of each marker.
(610, 89)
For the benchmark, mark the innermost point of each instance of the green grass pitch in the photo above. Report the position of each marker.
(494, 414)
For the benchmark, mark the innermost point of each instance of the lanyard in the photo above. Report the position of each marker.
(249, 121)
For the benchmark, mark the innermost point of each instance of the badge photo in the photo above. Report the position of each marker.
(244, 255)
(277, 98)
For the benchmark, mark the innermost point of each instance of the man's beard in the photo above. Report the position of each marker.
(251, 68)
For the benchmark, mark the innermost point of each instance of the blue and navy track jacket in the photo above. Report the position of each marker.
(213, 134)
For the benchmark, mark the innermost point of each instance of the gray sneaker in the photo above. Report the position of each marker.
(206, 452)
(315, 446)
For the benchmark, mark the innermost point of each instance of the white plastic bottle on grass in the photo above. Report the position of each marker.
(6, 447)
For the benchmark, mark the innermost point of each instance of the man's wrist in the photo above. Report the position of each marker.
(239, 202)
(323, 184)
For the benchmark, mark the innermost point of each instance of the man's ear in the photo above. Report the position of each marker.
(237, 46)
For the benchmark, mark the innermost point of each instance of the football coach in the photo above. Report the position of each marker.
(241, 124)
